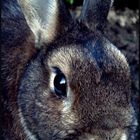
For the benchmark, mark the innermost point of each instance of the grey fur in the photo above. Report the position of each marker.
(97, 105)
(94, 13)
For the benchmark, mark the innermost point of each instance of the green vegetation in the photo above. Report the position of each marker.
(71, 2)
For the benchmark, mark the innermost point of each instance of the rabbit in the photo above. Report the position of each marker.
(62, 78)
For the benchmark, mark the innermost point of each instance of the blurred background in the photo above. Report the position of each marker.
(123, 31)
(118, 4)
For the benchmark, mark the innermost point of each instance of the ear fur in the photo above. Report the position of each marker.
(46, 18)
(94, 13)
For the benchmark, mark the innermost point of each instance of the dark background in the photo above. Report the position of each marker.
(118, 4)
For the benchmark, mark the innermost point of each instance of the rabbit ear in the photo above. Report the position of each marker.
(94, 13)
(46, 18)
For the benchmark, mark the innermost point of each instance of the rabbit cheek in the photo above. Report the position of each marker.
(68, 117)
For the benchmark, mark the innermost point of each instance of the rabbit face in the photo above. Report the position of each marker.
(75, 90)
(78, 85)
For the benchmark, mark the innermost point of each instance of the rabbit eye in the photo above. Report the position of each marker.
(59, 84)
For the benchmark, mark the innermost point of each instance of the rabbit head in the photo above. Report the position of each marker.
(78, 85)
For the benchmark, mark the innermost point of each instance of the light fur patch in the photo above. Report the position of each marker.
(112, 1)
(49, 27)
(52, 77)
(42, 18)
(123, 137)
(87, 136)
(68, 117)
(116, 54)
(28, 134)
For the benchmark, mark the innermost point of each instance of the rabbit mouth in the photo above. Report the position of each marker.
(77, 136)
(81, 137)
(115, 134)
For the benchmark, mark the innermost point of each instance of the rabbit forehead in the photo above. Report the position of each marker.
(66, 56)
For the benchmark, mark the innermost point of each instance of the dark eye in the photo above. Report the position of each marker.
(59, 84)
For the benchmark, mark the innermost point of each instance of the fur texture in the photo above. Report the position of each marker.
(97, 104)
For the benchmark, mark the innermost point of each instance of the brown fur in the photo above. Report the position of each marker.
(97, 104)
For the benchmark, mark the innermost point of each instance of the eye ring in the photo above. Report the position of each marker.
(58, 82)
